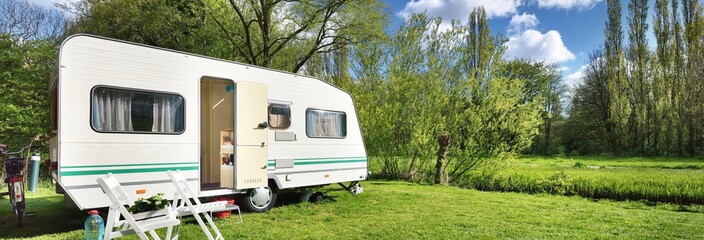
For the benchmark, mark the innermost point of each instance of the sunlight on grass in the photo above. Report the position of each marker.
(399, 210)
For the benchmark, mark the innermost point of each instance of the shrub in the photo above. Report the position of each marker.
(560, 183)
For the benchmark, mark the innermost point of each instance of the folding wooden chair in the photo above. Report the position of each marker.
(137, 223)
(187, 203)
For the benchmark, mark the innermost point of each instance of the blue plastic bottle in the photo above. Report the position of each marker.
(94, 226)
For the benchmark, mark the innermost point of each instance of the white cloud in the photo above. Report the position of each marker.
(568, 4)
(574, 79)
(522, 22)
(535, 45)
(459, 9)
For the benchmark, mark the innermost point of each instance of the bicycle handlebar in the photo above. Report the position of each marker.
(3, 146)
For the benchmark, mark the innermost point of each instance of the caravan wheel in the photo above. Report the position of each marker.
(259, 199)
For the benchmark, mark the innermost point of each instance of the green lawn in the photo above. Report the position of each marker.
(399, 210)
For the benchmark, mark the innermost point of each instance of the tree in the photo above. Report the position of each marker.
(590, 112)
(662, 81)
(638, 82)
(615, 70)
(29, 38)
(493, 119)
(262, 31)
(25, 21)
(419, 101)
(693, 21)
(540, 80)
(24, 72)
(173, 24)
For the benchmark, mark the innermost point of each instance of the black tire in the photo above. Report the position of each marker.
(316, 197)
(255, 200)
(20, 213)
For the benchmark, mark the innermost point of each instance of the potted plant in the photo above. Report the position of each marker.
(156, 202)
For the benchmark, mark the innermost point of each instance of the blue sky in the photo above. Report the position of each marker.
(564, 32)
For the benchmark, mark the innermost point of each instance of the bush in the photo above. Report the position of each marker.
(560, 183)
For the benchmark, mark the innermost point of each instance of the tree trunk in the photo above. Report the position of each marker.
(411, 173)
(443, 147)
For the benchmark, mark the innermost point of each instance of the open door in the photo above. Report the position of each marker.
(251, 134)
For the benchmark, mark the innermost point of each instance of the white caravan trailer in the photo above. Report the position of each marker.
(137, 111)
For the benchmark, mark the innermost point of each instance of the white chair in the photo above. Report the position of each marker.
(138, 223)
(187, 203)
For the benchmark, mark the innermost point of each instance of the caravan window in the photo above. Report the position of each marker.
(326, 124)
(279, 116)
(122, 110)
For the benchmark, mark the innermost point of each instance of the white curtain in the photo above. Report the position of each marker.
(165, 108)
(112, 110)
(325, 124)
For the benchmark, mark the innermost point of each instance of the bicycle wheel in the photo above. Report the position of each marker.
(19, 211)
(16, 189)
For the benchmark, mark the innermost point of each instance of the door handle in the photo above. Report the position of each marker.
(263, 125)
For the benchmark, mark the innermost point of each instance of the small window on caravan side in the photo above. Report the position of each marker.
(115, 110)
(326, 124)
(279, 116)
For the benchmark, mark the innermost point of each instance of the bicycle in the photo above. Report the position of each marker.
(14, 165)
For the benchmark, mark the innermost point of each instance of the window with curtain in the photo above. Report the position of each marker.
(120, 110)
(326, 124)
(279, 116)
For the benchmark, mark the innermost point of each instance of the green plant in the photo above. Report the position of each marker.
(152, 203)
(579, 164)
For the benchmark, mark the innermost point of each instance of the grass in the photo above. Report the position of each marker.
(671, 180)
(399, 210)
(664, 180)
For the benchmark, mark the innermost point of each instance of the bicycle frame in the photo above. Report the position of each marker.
(15, 181)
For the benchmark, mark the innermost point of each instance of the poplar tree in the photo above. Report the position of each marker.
(638, 83)
(678, 86)
(693, 78)
(617, 84)
(663, 94)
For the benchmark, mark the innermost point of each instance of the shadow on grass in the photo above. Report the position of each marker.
(51, 216)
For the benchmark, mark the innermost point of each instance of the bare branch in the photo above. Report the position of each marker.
(231, 39)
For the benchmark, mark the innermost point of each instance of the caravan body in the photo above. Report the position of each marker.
(137, 111)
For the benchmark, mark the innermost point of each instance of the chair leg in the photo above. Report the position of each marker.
(154, 235)
(239, 213)
(202, 225)
(218, 235)
(110, 222)
(177, 230)
(168, 233)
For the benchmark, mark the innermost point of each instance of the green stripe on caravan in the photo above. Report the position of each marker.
(312, 161)
(128, 170)
(129, 165)
(120, 168)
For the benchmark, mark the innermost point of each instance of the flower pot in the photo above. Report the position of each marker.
(223, 214)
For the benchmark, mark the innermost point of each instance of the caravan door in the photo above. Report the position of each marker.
(251, 132)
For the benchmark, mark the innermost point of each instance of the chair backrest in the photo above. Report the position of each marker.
(182, 188)
(114, 190)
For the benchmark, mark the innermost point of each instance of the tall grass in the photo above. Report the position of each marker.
(651, 185)
(678, 180)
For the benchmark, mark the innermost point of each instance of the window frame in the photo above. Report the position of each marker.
(137, 90)
(325, 110)
(268, 115)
